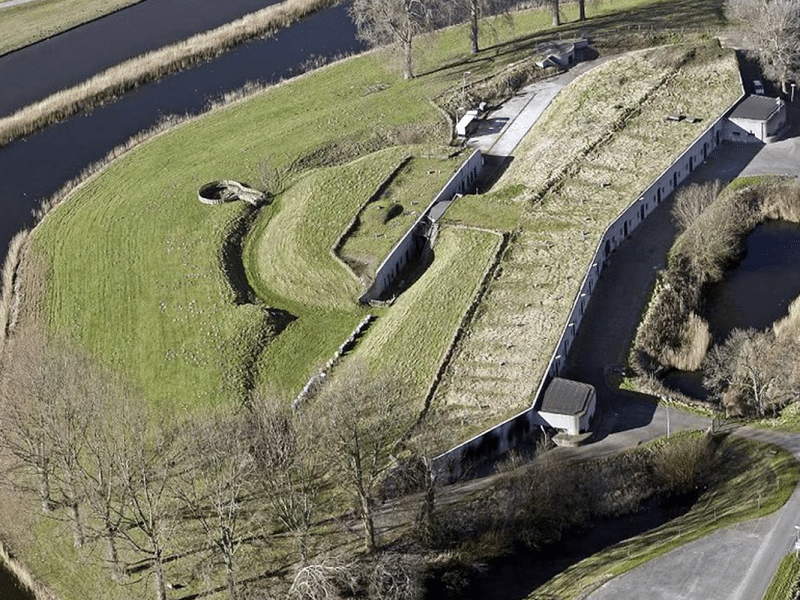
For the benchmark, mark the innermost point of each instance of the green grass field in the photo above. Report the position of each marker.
(34, 21)
(784, 584)
(136, 262)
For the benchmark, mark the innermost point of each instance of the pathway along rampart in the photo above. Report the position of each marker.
(518, 430)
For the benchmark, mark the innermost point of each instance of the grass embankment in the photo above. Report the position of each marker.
(34, 21)
(594, 150)
(384, 220)
(785, 583)
(161, 248)
(749, 482)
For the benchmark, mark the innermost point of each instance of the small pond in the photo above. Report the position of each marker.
(756, 293)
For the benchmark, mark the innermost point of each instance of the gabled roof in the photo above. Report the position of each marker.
(566, 397)
(756, 108)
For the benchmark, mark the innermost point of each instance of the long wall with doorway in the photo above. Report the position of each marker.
(519, 429)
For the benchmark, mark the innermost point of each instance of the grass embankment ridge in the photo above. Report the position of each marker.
(580, 166)
(753, 484)
(153, 65)
(32, 22)
(785, 582)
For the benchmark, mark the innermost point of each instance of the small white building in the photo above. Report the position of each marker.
(568, 405)
(757, 119)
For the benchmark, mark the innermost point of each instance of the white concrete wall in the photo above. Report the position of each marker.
(410, 245)
(630, 218)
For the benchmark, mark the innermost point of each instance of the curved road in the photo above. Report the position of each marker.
(736, 563)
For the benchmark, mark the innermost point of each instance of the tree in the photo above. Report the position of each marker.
(147, 464)
(473, 11)
(363, 419)
(289, 466)
(581, 10)
(216, 487)
(392, 22)
(773, 29)
(692, 200)
(750, 369)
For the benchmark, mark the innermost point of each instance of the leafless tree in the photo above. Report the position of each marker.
(773, 29)
(363, 420)
(692, 200)
(324, 580)
(290, 467)
(749, 367)
(396, 577)
(147, 466)
(392, 22)
(473, 12)
(217, 485)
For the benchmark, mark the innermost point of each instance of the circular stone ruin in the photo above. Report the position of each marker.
(227, 190)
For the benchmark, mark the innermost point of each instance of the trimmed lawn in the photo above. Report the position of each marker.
(34, 21)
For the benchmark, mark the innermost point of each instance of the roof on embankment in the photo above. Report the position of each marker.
(757, 108)
(566, 397)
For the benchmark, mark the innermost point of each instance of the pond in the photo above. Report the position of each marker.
(754, 294)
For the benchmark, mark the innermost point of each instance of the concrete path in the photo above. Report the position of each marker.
(504, 128)
(737, 562)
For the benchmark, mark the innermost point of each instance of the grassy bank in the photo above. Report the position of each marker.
(34, 21)
(784, 584)
(600, 143)
(750, 483)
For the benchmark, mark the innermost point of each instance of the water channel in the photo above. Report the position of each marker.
(754, 294)
(41, 69)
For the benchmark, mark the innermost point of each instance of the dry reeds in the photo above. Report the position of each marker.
(7, 286)
(154, 65)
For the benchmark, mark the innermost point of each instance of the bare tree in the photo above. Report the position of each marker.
(773, 29)
(363, 420)
(751, 369)
(473, 12)
(392, 22)
(692, 200)
(147, 466)
(290, 467)
(216, 487)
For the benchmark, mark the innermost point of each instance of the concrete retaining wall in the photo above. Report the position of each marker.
(410, 246)
(517, 431)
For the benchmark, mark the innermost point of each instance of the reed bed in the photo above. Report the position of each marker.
(154, 65)
(7, 283)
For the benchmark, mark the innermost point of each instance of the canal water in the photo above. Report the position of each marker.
(41, 69)
(35, 167)
(756, 293)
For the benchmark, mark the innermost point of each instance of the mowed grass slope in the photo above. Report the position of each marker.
(33, 21)
(414, 335)
(136, 270)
